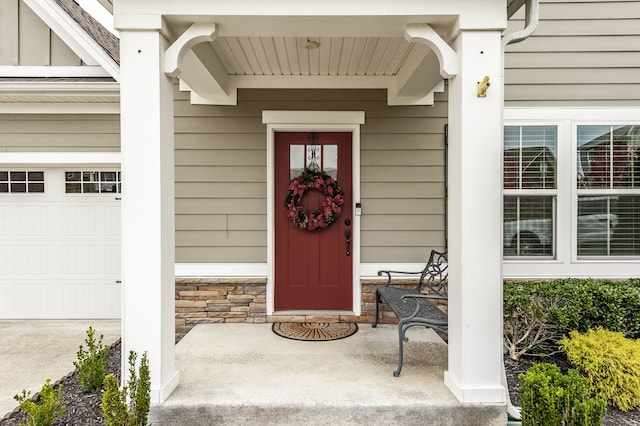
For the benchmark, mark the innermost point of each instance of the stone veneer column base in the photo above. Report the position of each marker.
(206, 300)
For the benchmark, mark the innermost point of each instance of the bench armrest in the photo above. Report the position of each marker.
(390, 273)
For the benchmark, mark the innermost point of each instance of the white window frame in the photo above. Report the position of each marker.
(27, 169)
(539, 192)
(566, 262)
(89, 169)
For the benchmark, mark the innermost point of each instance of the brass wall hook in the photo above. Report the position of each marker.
(482, 87)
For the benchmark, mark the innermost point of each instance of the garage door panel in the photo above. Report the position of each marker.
(111, 221)
(60, 253)
(78, 220)
(79, 298)
(111, 261)
(31, 221)
(3, 221)
(30, 260)
(79, 260)
(4, 297)
(31, 298)
(4, 254)
(112, 299)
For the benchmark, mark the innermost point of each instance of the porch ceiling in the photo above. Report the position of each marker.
(214, 55)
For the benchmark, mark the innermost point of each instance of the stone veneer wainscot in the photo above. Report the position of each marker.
(206, 300)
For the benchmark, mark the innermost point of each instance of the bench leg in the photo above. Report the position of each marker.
(378, 301)
(402, 338)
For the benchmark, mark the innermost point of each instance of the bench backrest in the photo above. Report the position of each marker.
(435, 276)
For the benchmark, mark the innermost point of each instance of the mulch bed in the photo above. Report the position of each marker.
(613, 416)
(83, 409)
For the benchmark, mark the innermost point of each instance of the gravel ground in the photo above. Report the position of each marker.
(83, 409)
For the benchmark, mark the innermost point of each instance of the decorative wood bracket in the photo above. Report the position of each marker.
(207, 82)
(423, 33)
(197, 33)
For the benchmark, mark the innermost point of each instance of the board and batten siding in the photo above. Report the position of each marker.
(583, 53)
(221, 175)
(59, 133)
(26, 40)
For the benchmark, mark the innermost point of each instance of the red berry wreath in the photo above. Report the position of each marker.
(331, 205)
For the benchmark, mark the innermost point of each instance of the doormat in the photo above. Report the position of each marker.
(314, 331)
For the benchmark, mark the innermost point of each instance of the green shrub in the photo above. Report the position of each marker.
(137, 393)
(536, 315)
(611, 363)
(550, 398)
(49, 410)
(91, 362)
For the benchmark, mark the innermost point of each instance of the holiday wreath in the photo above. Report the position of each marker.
(331, 205)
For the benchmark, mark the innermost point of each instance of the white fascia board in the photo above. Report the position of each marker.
(56, 93)
(59, 108)
(60, 158)
(64, 87)
(53, 71)
(297, 8)
(73, 35)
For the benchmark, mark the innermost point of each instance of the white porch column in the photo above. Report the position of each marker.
(475, 221)
(148, 219)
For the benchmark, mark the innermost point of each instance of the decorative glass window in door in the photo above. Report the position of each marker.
(90, 182)
(313, 156)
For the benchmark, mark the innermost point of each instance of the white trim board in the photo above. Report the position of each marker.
(260, 270)
(60, 158)
(309, 121)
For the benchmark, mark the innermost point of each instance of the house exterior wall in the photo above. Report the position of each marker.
(59, 133)
(221, 175)
(583, 53)
(26, 40)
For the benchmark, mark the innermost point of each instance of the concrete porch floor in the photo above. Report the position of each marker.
(244, 374)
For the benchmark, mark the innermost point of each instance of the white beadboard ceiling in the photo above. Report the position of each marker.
(334, 56)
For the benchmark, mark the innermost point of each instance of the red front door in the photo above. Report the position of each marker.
(313, 269)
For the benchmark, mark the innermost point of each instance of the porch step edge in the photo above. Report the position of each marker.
(211, 414)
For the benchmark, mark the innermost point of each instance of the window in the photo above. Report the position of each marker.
(530, 190)
(87, 182)
(608, 186)
(314, 156)
(12, 181)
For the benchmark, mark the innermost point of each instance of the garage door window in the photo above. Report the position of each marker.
(21, 181)
(89, 182)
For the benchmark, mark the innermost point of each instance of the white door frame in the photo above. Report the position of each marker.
(313, 121)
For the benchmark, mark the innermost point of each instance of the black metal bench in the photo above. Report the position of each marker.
(414, 306)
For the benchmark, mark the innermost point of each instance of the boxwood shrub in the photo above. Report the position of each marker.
(538, 314)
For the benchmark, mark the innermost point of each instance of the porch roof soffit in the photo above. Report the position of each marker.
(407, 53)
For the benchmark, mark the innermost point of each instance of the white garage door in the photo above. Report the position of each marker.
(60, 243)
